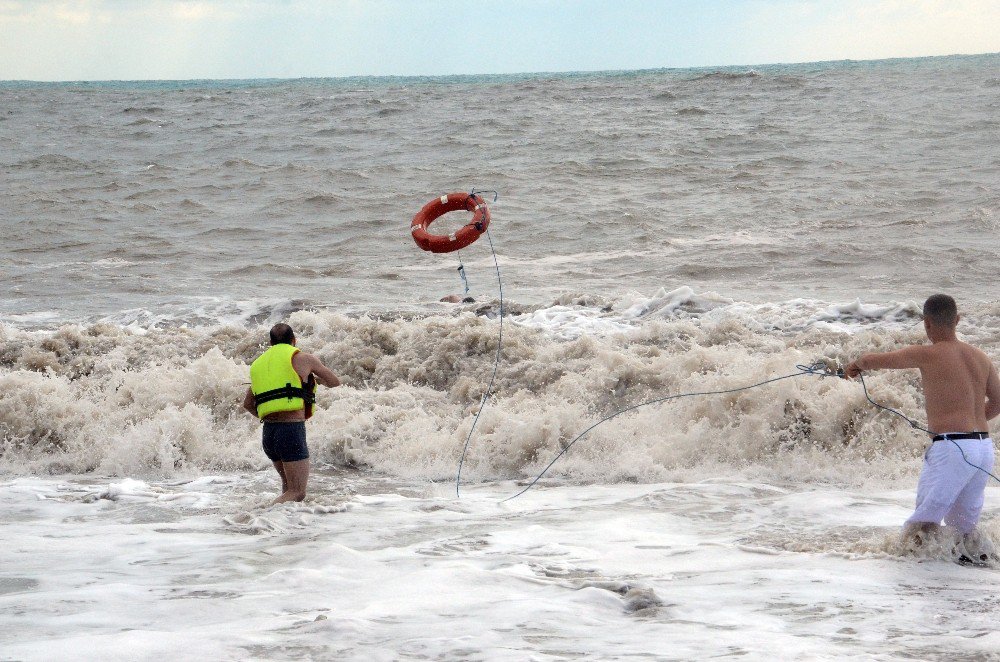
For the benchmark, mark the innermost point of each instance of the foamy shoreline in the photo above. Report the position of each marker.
(380, 569)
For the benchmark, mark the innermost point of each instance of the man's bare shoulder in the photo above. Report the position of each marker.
(974, 352)
(301, 359)
(917, 352)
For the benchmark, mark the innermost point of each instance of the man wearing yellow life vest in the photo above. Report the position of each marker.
(282, 393)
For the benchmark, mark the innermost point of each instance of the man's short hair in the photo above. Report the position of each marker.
(281, 333)
(941, 310)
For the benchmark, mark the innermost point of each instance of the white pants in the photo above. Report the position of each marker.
(950, 489)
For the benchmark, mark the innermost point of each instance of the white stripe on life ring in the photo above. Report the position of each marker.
(451, 237)
(444, 199)
(415, 228)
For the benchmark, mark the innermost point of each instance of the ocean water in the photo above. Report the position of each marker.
(657, 232)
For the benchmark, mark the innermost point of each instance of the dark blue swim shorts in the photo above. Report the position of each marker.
(285, 441)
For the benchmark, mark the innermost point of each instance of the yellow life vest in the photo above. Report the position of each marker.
(275, 384)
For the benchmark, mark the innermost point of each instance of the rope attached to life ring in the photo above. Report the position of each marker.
(496, 361)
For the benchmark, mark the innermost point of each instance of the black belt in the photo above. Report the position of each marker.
(961, 435)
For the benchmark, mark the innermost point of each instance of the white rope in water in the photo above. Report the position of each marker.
(496, 363)
(819, 369)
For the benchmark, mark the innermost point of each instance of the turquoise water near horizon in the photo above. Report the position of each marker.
(464, 79)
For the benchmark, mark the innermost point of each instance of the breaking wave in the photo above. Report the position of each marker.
(164, 400)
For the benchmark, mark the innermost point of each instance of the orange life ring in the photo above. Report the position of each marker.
(438, 207)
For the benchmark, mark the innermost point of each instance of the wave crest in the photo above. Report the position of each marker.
(161, 402)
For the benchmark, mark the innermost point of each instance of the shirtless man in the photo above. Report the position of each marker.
(962, 394)
(277, 396)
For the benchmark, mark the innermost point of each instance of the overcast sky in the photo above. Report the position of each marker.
(183, 39)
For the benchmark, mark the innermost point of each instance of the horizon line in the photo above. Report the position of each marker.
(567, 72)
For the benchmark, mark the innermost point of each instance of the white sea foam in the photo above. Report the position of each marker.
(571, 322)
(365, 570)
(161, 402)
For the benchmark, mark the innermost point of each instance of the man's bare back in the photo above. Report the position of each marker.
(958, 381)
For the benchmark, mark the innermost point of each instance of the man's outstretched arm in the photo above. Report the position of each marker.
(908, 357)
(324, 375)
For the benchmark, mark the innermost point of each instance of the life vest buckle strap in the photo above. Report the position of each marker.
(288, 392)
